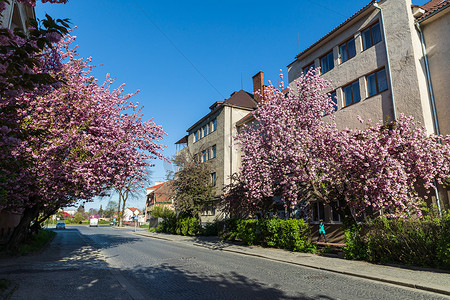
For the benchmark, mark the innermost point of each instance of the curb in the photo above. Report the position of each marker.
(394, 282)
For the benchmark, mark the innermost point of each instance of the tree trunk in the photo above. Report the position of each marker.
(124, 196)
(119, 221)
(20, 233)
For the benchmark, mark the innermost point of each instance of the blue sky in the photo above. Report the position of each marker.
(185, 55)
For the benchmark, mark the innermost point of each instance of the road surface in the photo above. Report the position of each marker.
(108, 263)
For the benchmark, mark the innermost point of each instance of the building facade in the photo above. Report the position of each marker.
(16, 15)
(160, 194)
(389, 58)
(210, 140)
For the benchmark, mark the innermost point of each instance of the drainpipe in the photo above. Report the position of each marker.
(432, 102)
(375, 4)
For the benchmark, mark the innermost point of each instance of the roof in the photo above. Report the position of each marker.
(247, 118)
(183, 140)
(239, 99)
(433, 7)
(134, 209)
(163, 195)
(155, 186)
(359, 12)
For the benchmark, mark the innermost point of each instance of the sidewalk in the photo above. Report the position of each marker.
(424, 279)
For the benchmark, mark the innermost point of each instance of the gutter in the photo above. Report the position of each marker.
(375, 4)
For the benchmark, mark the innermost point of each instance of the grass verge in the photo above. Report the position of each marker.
(4, 284)
(37, 242)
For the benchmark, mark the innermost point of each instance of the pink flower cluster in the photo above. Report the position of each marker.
(72, 140)
(294, 150)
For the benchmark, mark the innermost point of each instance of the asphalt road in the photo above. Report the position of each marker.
(108, 263)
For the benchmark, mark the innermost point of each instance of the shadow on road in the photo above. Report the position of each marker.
(172, 282)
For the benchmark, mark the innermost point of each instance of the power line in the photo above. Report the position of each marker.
(175, 46)
(327, 8)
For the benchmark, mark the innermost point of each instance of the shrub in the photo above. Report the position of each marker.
(227, 229)
(419, 242)
(180, 226)
(37, 241)
(246, 231)
(443, 250)
(354, 247)
(161, 211)
(210, 229)
(287, 234)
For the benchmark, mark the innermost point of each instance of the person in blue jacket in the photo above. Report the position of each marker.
(322, 231)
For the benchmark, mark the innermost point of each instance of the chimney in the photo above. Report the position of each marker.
(258, 86)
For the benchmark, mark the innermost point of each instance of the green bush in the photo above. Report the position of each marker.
(291, 234)
(354, 247)
(443, 250)
(37, 241)
(180, 226)
(161, 211)
(419, 242)
(246, 231)
(210, 229)
(227, 229)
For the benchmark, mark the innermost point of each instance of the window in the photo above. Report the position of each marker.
(371, 36)
(204, 156)
(376, 82)
(352, 93)
(334, 214)
(196, 138)
(347, 50)
(306, 69)
(214, 151)
(334, 99)
(213, 178)
(318, 211)
(209, 210)
(327, 62)
(205, 131)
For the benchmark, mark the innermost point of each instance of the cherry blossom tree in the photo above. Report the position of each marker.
(73, 141)
(294, 150)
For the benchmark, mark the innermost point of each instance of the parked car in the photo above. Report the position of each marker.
(61, 225)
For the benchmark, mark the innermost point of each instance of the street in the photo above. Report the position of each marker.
(109, 263)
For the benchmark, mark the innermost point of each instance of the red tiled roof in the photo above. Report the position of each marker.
(133, 209)
(164, 194)
(155, 186)
(432, 7)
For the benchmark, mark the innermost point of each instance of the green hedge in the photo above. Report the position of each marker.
(424, 242)
(181, 226)
(291, 234)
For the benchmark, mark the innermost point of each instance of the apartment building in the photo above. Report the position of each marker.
(210, 140)
(390, 57)
(16, 15)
